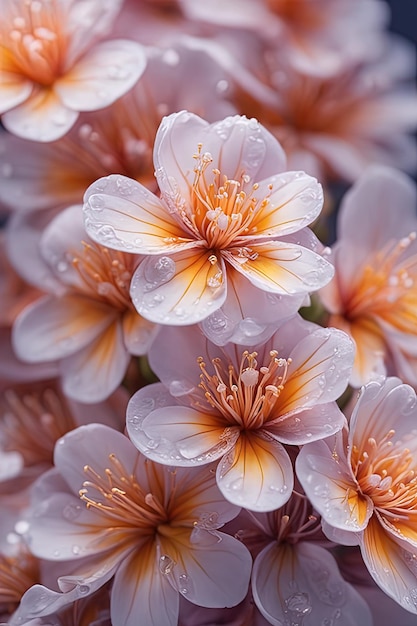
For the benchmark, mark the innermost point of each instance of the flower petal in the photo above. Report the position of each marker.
(94, 372)
(122, 213)
(302, 427)
(179, 290)
(391, 564)
(53, 328)
(302, 582)
(327, 479)
(14, 89)
(42, 117)
(178, 435)
(257, 473)
(138, 333)
(102, 75)
(280, 267)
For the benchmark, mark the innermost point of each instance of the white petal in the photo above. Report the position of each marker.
(302, 427)
(14, 89)
(257, 473)
(102, 75)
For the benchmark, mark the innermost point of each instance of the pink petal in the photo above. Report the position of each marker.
(42, 117)
(280, 267)
(102, 75)
(319, 370)
(257, 473)
(14, 89)
(138, 333)
(54, 328)
(303, 582)
(140, 588)
(237, 145)
(123, 214)
(178, 435)
(327, 479)
(94, 372)
(302, 427)
(391, 564)
(179, 290)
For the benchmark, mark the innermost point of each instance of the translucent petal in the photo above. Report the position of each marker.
(14, 89)
(301, 427)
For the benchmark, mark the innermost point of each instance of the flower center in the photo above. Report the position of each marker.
(222, 212)
(33, 41)
(246, 396)
(105, 273)
(17, 574)
(386, 472)
(387, 287)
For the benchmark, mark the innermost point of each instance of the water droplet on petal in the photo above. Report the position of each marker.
(166, 564)
(159, 271)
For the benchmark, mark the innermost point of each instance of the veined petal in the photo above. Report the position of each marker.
(121, 213)
(179, 290)
(301, 427)
(319, 371)
(391, 564)
(327, 479)
(53, 328)
(93, 373)
(303, 582)
(294, 200)
(199, 572)
(178, 435)
(14, 89)
(102, 75)
(140, 588)
(42, 117)
(138, 333)
(280, 267)
(256, 473)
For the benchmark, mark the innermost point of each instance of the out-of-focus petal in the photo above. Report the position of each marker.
(302, 582)
(327, 480)
(91, 374)
(53, 328)
(14, 89)
(102, 75)
(42, 117)
(122, 213)
(257, 473)
(280, 267)
(179, 290)
(138, 333)
(391, 564)
(178, 435)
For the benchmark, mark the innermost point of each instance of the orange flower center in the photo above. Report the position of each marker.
(32, 41)
(387, 473)
(245, 397)
(106, 274)
(17, 574)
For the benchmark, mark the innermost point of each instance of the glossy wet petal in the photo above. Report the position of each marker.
(42, 117)
(256, 474)
(302, 427)
(280, 267)
(181, 289)
(102, 75)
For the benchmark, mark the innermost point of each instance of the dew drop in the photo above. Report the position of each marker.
(96, 202)
(299, 603)
(84, 589)
(76, 549)
(166, 564)
(159, 271)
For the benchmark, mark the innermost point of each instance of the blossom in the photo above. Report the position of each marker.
(295, 579)
(240, 406)
(113, 512)
(52, 66)
(363, 483)
(223, 205)
(87, 322)
(373, 295)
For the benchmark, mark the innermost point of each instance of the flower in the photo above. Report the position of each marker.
(51, 66)
(87, 322)
(373, 295)
(240, 406)
(154, 528)
(222, 206)
(363, 483)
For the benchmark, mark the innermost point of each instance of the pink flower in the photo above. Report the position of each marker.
(240, 406)
(363, 483)
(373, 296)
(87, 322)
(51, 66)
(224, 212)
(113, 512)
(295, 578)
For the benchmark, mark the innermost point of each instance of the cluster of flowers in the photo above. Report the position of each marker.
(208, 415)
